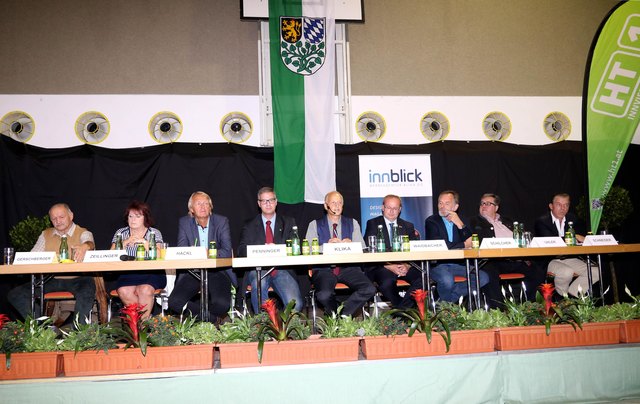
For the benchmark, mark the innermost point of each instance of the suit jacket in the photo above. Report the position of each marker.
(434, 229)
(484, 229)
(404, 228)
(544, 226)
(253, 232)
(218, 232)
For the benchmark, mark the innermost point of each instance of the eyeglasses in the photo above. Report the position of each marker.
(487, 203)
(267, 201)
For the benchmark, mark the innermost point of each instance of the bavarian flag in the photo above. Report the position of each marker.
(302, 61)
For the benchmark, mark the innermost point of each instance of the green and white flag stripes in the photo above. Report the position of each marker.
(613, 101)
(302, 57)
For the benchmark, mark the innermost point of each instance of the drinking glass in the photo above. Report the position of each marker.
(162, 250)
(526, 236)
(371, 242)
(8, 255)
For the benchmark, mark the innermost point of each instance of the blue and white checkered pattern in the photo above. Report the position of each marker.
(313, 29)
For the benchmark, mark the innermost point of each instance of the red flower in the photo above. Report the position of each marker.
(3, 319)
(420, 297)
(546, 289)
(132, 315)
(270, 307)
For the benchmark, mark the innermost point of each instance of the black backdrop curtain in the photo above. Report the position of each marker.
(98, 183)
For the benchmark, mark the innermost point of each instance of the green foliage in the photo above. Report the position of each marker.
(162, 330)
(617, 206)
(201, 333)
(25, 233)
(90, 337)
(339, 326)
(459, 318)
(241, 329)
(32, 335)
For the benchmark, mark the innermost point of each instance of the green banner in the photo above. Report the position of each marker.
(613, 101)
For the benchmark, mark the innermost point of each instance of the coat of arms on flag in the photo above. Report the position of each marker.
(302, 42)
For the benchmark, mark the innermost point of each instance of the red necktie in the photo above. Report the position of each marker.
(336, 270)
(268, 239)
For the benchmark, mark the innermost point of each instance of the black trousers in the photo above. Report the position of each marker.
(186, 292)
(387, 283)
(324, 282)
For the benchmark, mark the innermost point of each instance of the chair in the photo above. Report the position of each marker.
(52, 299)
(400, 283)
(161, 293)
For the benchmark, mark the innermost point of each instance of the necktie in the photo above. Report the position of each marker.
(269, 233)
(268, 239)
(336, 270)
(391, 233)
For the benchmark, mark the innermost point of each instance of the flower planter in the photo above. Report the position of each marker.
(31, 365)
(403, 346)
(121, 361)
(562, 335)
(630, 331)
(289, 352)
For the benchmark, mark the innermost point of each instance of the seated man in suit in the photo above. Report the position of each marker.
(488, 224)
(555, 223)
(446, 225)
(387, 275)
(270, 228)
(82, 287)
(335, 228)
(197, 229)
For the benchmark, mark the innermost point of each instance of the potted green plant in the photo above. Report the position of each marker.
(26, 232)
(30, 348)
(547, 324)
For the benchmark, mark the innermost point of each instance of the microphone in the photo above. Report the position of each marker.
(331, 210)
(126, 257)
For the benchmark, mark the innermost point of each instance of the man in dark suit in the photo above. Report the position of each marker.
(199, 228)
(555, 223)
(270, 228)
(448, 226)
(386, 276)
(488, 224)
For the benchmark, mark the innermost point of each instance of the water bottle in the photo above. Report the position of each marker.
(153, 249)
(516, 233)
(118, 241)
(570, 236)
(295, 241)
(63, 252)
(396, 243)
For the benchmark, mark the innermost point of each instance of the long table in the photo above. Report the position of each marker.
(424, 257)
(197, 267)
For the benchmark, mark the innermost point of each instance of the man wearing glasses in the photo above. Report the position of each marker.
(270, 228)
(335, 228)
(386, 276)
(489, 223)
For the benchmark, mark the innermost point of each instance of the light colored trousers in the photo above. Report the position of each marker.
(564, 269)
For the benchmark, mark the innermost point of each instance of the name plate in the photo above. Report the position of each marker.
(103, 255)
(498, 242)
(548, 242)
(427, 245)
(604, 239)
(353, 247)
(267, 250)
(44, 257)
(186, 253)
